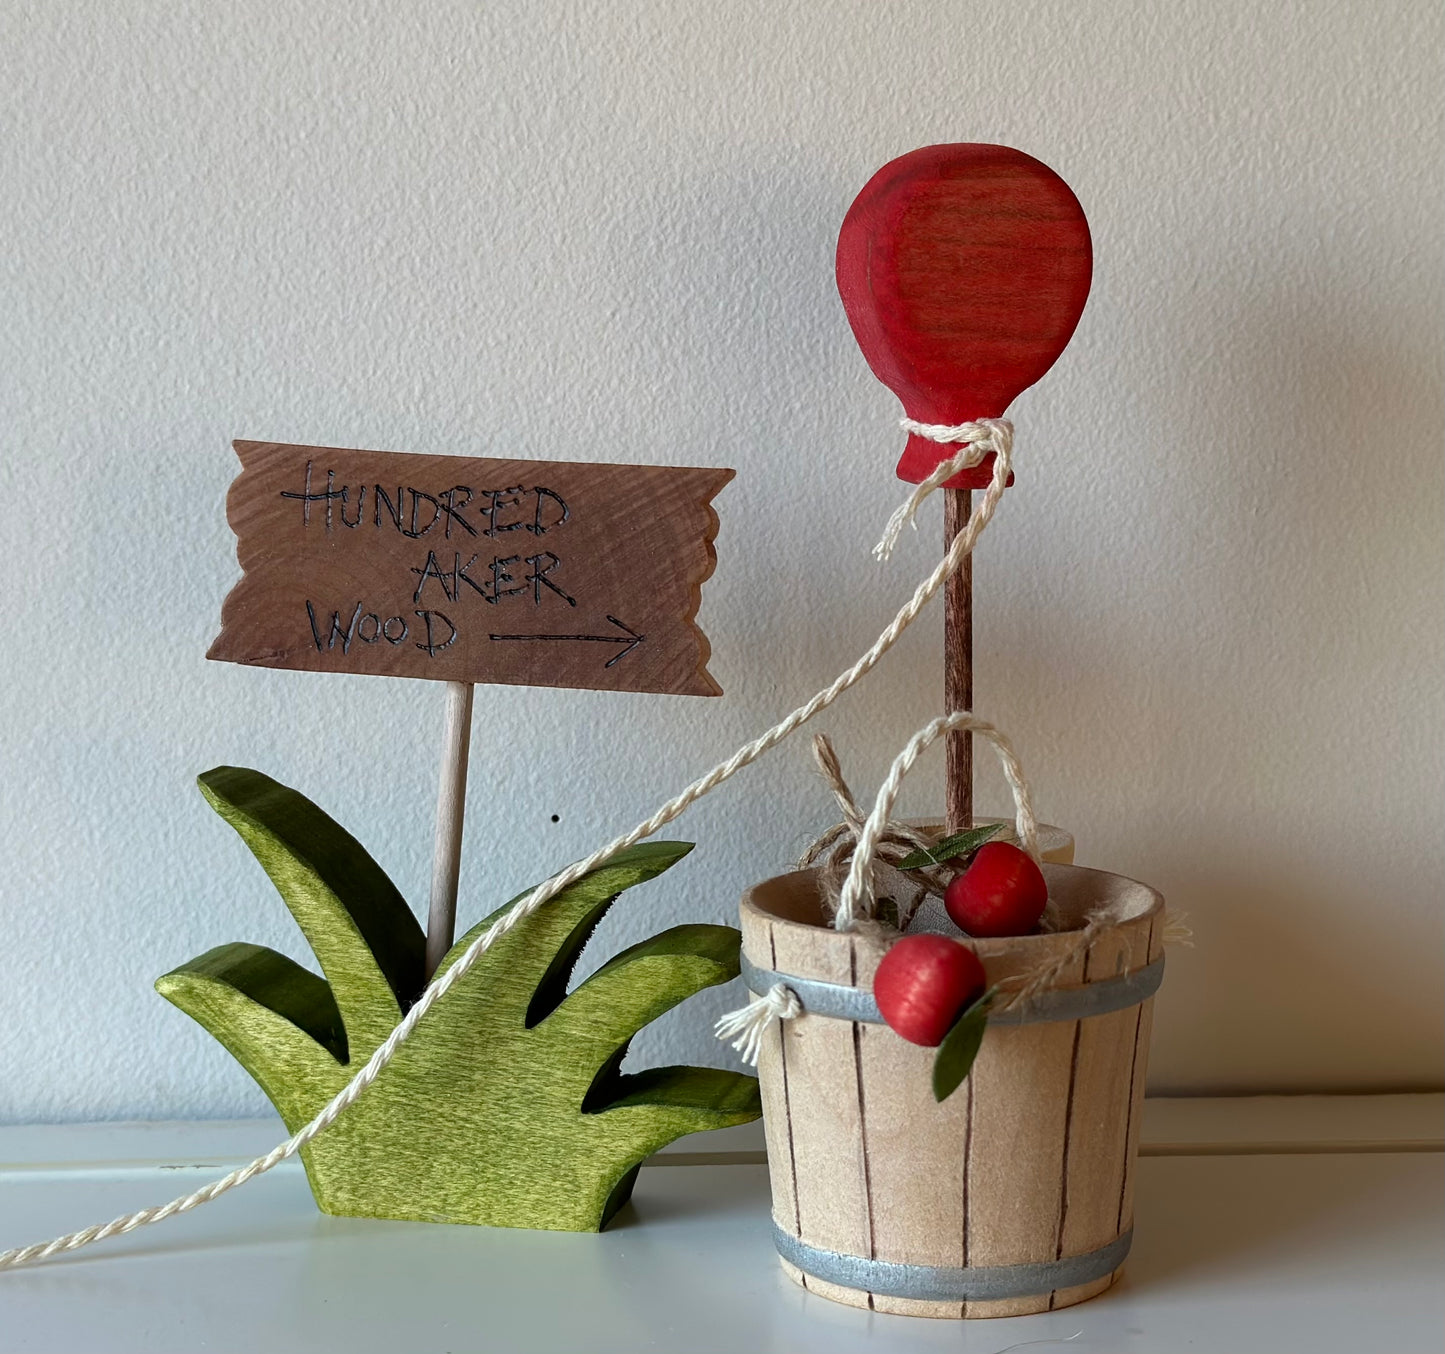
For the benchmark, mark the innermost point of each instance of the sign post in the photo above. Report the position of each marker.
(467, 570)
(446, 858)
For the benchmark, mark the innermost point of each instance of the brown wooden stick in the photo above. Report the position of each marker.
(958, 664)
(451, 810)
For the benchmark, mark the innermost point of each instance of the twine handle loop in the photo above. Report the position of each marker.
(857, 896)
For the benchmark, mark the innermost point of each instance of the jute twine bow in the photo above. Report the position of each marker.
(832, 852)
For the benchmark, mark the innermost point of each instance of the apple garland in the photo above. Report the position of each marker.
(931, 989)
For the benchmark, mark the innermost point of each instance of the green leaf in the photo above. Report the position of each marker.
(277, 1020)
(271, 980)
(635, 987)
(556, 934)
(885, 910)
(954, 1060)
(363, 934)
(963, 843)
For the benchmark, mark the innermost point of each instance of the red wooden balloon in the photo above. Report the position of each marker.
(963, 270)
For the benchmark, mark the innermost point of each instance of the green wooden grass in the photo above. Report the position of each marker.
(506, 1106)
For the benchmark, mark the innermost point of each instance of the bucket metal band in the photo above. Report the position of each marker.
(1068, 1003)
(935, 1283)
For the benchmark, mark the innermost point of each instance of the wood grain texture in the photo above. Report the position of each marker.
(757, 933)
(917, 1176)
(506, 1106)
(1022, 1085)
(1030, 1160)
(459, 569)
(958, 665)
(1141, 1067)
(963, 270)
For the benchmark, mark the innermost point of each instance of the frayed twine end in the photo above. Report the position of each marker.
(1177, 930)
(745, 1027)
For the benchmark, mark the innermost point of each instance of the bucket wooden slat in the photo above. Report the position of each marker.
(1020, 1105)
(825, 1102)
(917, 1181)
(1136, 1099)
(850, 1297)
(1096, 1158)
(778, 1126)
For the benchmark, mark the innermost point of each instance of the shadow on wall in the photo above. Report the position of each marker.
(1279, 994)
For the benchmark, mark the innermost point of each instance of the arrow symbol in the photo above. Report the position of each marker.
(629, 637)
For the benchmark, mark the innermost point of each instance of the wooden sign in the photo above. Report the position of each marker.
(539, 573)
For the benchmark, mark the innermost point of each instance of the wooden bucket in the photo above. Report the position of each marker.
(1013, 1196)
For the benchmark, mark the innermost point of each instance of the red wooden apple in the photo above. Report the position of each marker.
(1002, 893)
(963, 270)
(922, 985)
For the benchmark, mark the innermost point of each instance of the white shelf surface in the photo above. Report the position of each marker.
(1265, 1224)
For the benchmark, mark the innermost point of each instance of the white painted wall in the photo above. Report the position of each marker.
(1210, 612)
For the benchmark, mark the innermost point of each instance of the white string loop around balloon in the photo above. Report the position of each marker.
(985, 435)
(980, 439)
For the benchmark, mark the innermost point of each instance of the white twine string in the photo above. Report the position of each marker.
(1000, 436)
(746, 1026)
(980, 439)
(857, 896)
